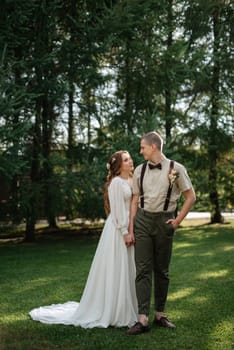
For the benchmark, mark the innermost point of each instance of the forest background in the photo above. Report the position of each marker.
(82, 79)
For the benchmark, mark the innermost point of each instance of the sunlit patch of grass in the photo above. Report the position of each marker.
(222, 332)
(229, 248)
(12, 318)
(199, 300)
(182, 245)
(182, 293)
(213, 274)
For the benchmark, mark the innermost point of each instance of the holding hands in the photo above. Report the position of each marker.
(129, 239)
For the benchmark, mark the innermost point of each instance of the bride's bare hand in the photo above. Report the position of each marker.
(128, 239)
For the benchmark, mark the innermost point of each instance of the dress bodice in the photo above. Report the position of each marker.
(120, 195)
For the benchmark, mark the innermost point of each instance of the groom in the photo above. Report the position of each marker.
(157, 187)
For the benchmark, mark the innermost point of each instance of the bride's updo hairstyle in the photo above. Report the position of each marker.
(113, 166)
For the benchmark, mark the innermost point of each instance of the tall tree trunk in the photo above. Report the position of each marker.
(168, 93)
(70, 150)
(32, 206)
(15, 183)
(216, 216)
(35, 175)
(71, 144)
(15, 179)
(89, 102)
(128, 108)
(89, 107)
(15, 200)
(47, 128)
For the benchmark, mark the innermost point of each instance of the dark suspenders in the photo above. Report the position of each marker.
(141, 187)
(141, 184)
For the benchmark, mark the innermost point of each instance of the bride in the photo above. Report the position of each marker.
(109, 297)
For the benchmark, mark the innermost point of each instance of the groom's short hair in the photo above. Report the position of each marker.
(153, 138)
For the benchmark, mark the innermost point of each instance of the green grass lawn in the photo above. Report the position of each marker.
(54, 270)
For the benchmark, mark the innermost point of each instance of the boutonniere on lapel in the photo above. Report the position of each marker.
(172, 176)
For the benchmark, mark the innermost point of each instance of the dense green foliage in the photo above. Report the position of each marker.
(54, 270)
(81, 79)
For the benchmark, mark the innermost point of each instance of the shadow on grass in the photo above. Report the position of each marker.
(200, 297)
(202, 284)
(15, 235)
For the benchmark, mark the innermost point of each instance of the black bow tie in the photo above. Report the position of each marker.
(152, 166)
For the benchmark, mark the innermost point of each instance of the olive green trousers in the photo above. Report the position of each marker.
(153, 250)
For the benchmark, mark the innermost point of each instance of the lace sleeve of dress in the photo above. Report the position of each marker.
(118, 211)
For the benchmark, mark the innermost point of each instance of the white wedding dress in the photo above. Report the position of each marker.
(109, 297)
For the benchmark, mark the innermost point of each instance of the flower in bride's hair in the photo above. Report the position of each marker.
(111, 161)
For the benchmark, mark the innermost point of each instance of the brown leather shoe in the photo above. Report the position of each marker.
(138, 328)
(164, 322)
